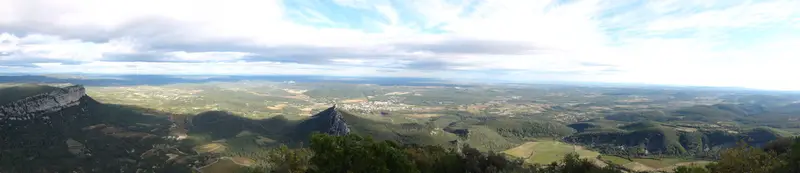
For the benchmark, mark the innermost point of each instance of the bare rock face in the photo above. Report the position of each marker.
(34, 106)
(338, 127)
(337, 124)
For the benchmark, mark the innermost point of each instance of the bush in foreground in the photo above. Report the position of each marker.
(779, 156)
(356, 154)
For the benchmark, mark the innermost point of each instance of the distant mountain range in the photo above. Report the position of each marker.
(122, 80)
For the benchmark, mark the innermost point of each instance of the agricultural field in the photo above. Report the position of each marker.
(641, 164)
(545, 152)
(223, 165)
(210, 148)
(614, 159)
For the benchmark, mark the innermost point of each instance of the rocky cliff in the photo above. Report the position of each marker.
(336, 124)
(34, 106)
(65, 126)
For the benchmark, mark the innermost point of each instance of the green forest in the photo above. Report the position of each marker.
(357, 154)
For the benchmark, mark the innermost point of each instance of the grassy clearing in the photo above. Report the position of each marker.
(662, 163)
(222, 166)
(636, 166)
(544, 152)
(212, 147)
(523, 151)
(243, 161)
(615, 159)
(354, 100)
(650, 165)
(702, 163)
(424, 115)
(277, 107)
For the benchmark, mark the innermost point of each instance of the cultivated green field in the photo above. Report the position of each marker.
(639, 164)
(662, 163)
(545, 152)
(208, 148)
(224, 165)
(615, 159)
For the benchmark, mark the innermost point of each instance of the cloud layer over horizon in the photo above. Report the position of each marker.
(681, 42)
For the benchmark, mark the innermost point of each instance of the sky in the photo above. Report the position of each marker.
(753, 44)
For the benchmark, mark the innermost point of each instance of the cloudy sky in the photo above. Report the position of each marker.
(684, 42)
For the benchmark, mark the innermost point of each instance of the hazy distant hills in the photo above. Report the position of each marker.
(700, 130)
(649, 138)
(123, 80)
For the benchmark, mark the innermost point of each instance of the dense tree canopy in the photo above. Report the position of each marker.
(356, 154)
(779, 156)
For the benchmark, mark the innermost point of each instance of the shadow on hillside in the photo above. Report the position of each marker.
(225, 125)
(126, 115)
(111, 133)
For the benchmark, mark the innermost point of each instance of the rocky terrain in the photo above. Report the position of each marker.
(36, 105)
(337, 124)
(67, 127)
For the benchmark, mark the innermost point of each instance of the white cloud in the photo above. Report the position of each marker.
(595, 40)
(206, 56)
(55, 48)
(364, 4)
(389, 13)
(743, 15)
(222, 68)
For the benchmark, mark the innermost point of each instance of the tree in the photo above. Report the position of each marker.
(352, 153)
(572, 163)
(290, 160)
(791, 156)
(435, 159)
(690, 169)
(355, 154)
(744, 158)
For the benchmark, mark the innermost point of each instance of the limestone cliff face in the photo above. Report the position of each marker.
(337, 125)
(33, 106)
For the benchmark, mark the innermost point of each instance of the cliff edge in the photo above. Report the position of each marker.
(37, 105)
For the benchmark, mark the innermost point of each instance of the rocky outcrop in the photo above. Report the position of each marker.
(34, 106)
(337, 125)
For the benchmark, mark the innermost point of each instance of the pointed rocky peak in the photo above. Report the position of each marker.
(333, 122)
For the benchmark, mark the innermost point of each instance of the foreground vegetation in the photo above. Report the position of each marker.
(779, 156)
(353, 153)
